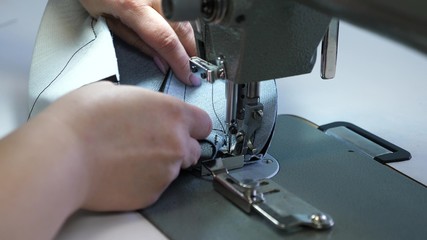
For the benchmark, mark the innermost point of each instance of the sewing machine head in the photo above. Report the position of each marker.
(257, 40)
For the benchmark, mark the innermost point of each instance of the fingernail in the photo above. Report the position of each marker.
(161, 65)
(195, 81)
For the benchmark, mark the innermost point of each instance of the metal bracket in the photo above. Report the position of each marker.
(207, 70)
(280, 207)
(365, 142)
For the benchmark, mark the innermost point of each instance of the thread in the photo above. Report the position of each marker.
(66, 65)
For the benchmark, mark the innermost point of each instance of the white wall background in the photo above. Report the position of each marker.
(19, 21)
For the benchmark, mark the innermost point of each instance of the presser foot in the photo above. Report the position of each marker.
(259, 167)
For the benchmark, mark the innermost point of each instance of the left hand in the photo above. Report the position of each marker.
(141, 24)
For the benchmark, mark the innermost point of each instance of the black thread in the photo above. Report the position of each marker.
(66, 65)
(216, 129)
(185, 92)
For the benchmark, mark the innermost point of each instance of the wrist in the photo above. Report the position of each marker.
(42, 172)
(65, 159)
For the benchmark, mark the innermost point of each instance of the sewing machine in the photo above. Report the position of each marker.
(244, 43)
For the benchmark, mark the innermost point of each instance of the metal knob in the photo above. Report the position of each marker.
(189, 10)
(182, 10)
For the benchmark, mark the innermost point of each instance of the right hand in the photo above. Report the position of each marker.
(134, 141)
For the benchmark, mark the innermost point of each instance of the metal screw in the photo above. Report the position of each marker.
(251, 146)
(194, 69)
(321, 221)
(268, 161)
(240, 137)
(221, 73)
(258, 114)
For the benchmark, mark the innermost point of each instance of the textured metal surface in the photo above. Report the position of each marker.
(366, 199)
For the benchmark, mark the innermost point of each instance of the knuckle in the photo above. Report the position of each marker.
(184, 28)
(128, 5)
(168, 42)
(179, 149)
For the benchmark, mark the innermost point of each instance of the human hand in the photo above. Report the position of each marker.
(140, 23)
(134, 141)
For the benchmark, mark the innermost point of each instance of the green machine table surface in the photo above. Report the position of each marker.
(367, 200)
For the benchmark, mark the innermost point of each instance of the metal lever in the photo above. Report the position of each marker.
(329, 50)
(280, 207)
